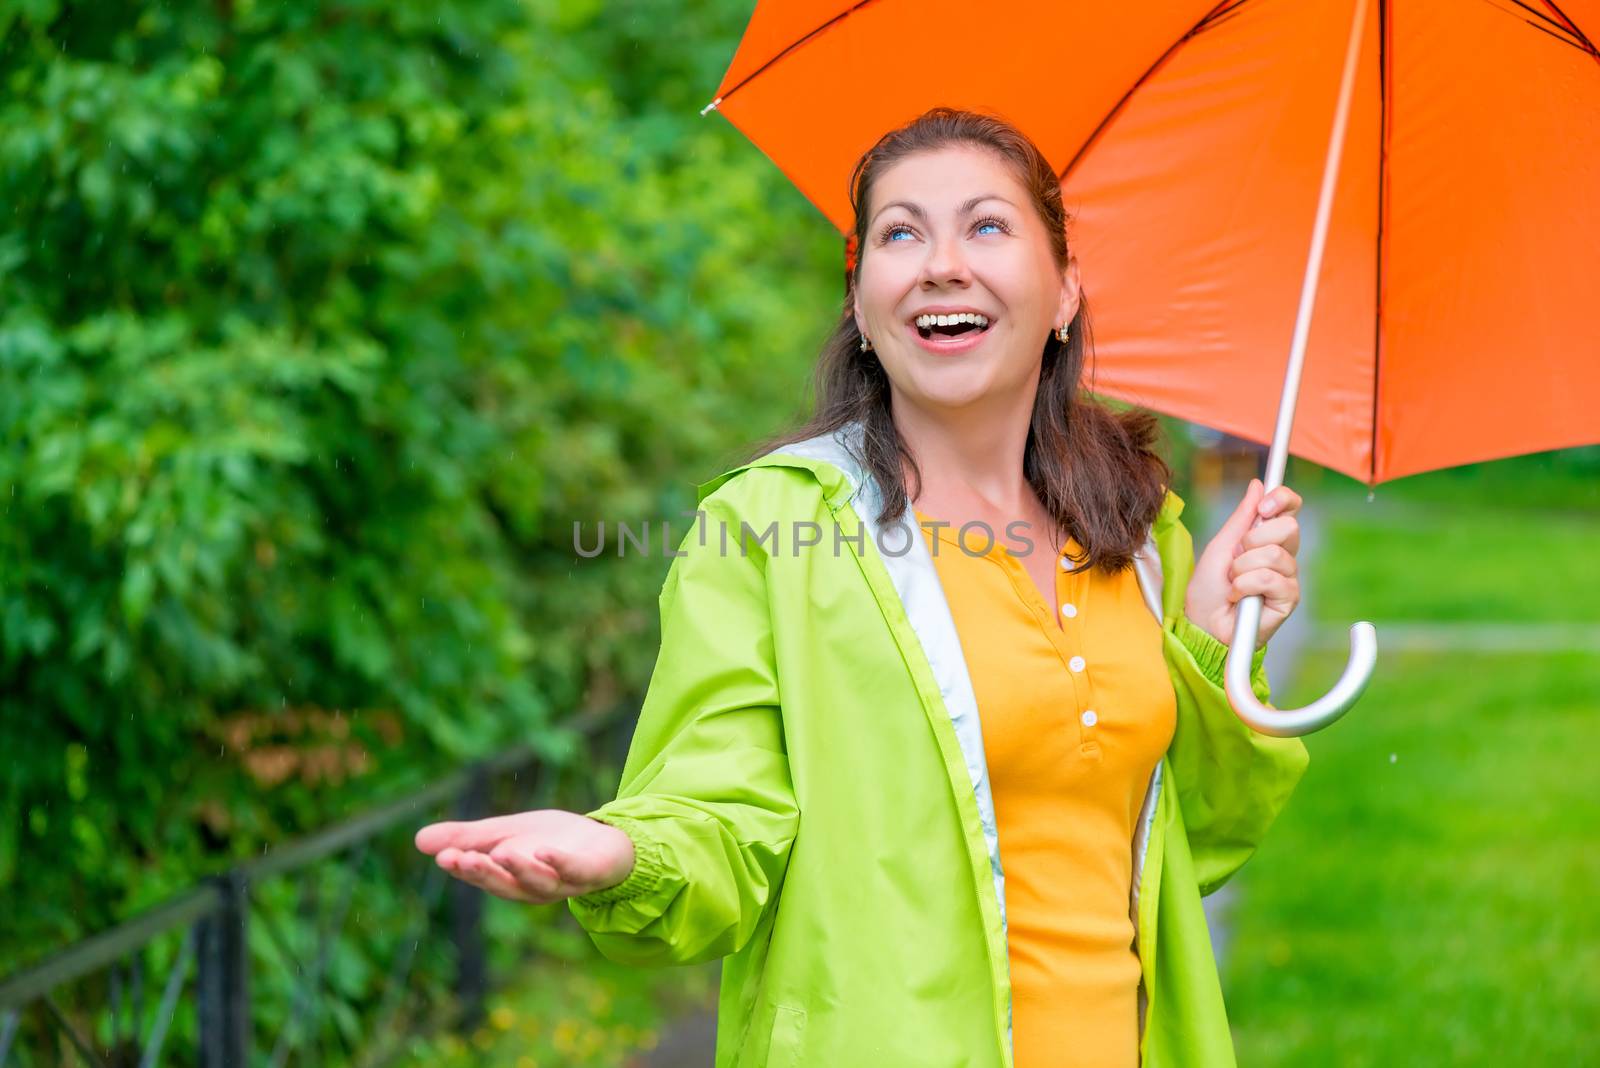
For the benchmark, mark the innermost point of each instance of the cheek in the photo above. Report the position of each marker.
(881, 316)
(1018, 285)
(880, 293)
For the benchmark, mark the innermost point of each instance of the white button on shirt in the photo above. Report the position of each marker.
(1069, 610)
(1089, 718)
(1076, 663)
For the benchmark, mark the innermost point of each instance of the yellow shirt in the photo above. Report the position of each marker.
(1077, 708)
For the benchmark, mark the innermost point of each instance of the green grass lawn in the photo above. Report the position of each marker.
(1460, 565)
(1429, 896)
(1515, 541)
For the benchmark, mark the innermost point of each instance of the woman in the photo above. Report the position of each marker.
(812, 792)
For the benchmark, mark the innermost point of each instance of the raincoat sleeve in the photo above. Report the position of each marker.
(705, 795)
(1231, 781)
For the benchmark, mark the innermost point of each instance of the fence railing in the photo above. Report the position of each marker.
(258, 990)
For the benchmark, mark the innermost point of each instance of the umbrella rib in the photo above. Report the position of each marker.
(1535, 12)
(1564, 31)
(1213, 23)
(796, 44)
(1383, 187)
(1564, 40)
(1225, 8)
(1573, 26)
(1561, 27)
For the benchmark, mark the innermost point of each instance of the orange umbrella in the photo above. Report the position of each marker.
(1452, 218)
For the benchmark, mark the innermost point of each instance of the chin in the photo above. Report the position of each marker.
(953, 391)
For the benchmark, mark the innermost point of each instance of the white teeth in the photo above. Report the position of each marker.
(925, 321)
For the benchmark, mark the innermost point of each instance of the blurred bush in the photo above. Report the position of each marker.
(320, 326)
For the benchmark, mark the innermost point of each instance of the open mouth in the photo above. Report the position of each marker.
(952, 330)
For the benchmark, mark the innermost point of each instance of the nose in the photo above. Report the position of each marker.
(946, 262)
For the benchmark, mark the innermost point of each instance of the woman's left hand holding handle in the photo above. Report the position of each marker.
(1245, 558)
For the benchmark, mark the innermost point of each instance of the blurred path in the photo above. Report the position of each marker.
(1468, 637)
(691, 1043)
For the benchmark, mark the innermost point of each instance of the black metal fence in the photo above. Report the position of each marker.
(262, 964)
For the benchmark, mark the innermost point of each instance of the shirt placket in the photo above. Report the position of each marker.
(1071, 592)
(1067, 639)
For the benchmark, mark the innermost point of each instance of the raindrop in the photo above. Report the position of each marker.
(1370, 494)
(1393, 757)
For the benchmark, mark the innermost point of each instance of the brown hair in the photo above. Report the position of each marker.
(1097, 472)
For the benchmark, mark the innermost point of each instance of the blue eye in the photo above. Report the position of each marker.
(888, 233)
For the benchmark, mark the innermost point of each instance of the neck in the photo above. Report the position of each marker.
(970, 458)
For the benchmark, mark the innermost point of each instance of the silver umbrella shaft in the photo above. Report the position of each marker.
(1286, 723)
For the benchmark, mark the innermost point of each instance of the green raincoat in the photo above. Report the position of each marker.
(807, 795)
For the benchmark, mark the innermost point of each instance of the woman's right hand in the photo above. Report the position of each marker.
(539, 857)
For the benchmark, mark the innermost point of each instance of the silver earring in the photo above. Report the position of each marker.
(1062, 333)
(866, 345)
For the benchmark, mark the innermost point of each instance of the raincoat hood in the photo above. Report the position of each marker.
(809, 667)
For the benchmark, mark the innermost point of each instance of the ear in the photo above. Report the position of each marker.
(855, 306)
(1071, 293)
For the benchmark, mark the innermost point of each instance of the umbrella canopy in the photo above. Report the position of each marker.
(1458, 305)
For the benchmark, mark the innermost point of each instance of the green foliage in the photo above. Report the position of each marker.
(320, 327)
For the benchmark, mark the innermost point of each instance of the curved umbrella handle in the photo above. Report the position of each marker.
(1291, 723)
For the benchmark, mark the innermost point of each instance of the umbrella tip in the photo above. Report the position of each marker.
(711, 105)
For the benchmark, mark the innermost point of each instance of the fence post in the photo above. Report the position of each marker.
(224, 976)
(466, 914)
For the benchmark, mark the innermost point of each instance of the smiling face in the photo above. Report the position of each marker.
(977, 245)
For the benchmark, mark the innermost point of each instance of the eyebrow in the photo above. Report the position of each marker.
(920, 214)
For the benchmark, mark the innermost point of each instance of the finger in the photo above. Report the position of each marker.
(460, 862)
(1235, 525)
(1273, 557)
(451, 860)
(1281, 598)
(1280, 530)
(492, 876)
(481, 835)
(476, 868)
(1281, 501)
(1273, 587)
(536, 877)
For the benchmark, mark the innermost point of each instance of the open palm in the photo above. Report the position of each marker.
(540, 856)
